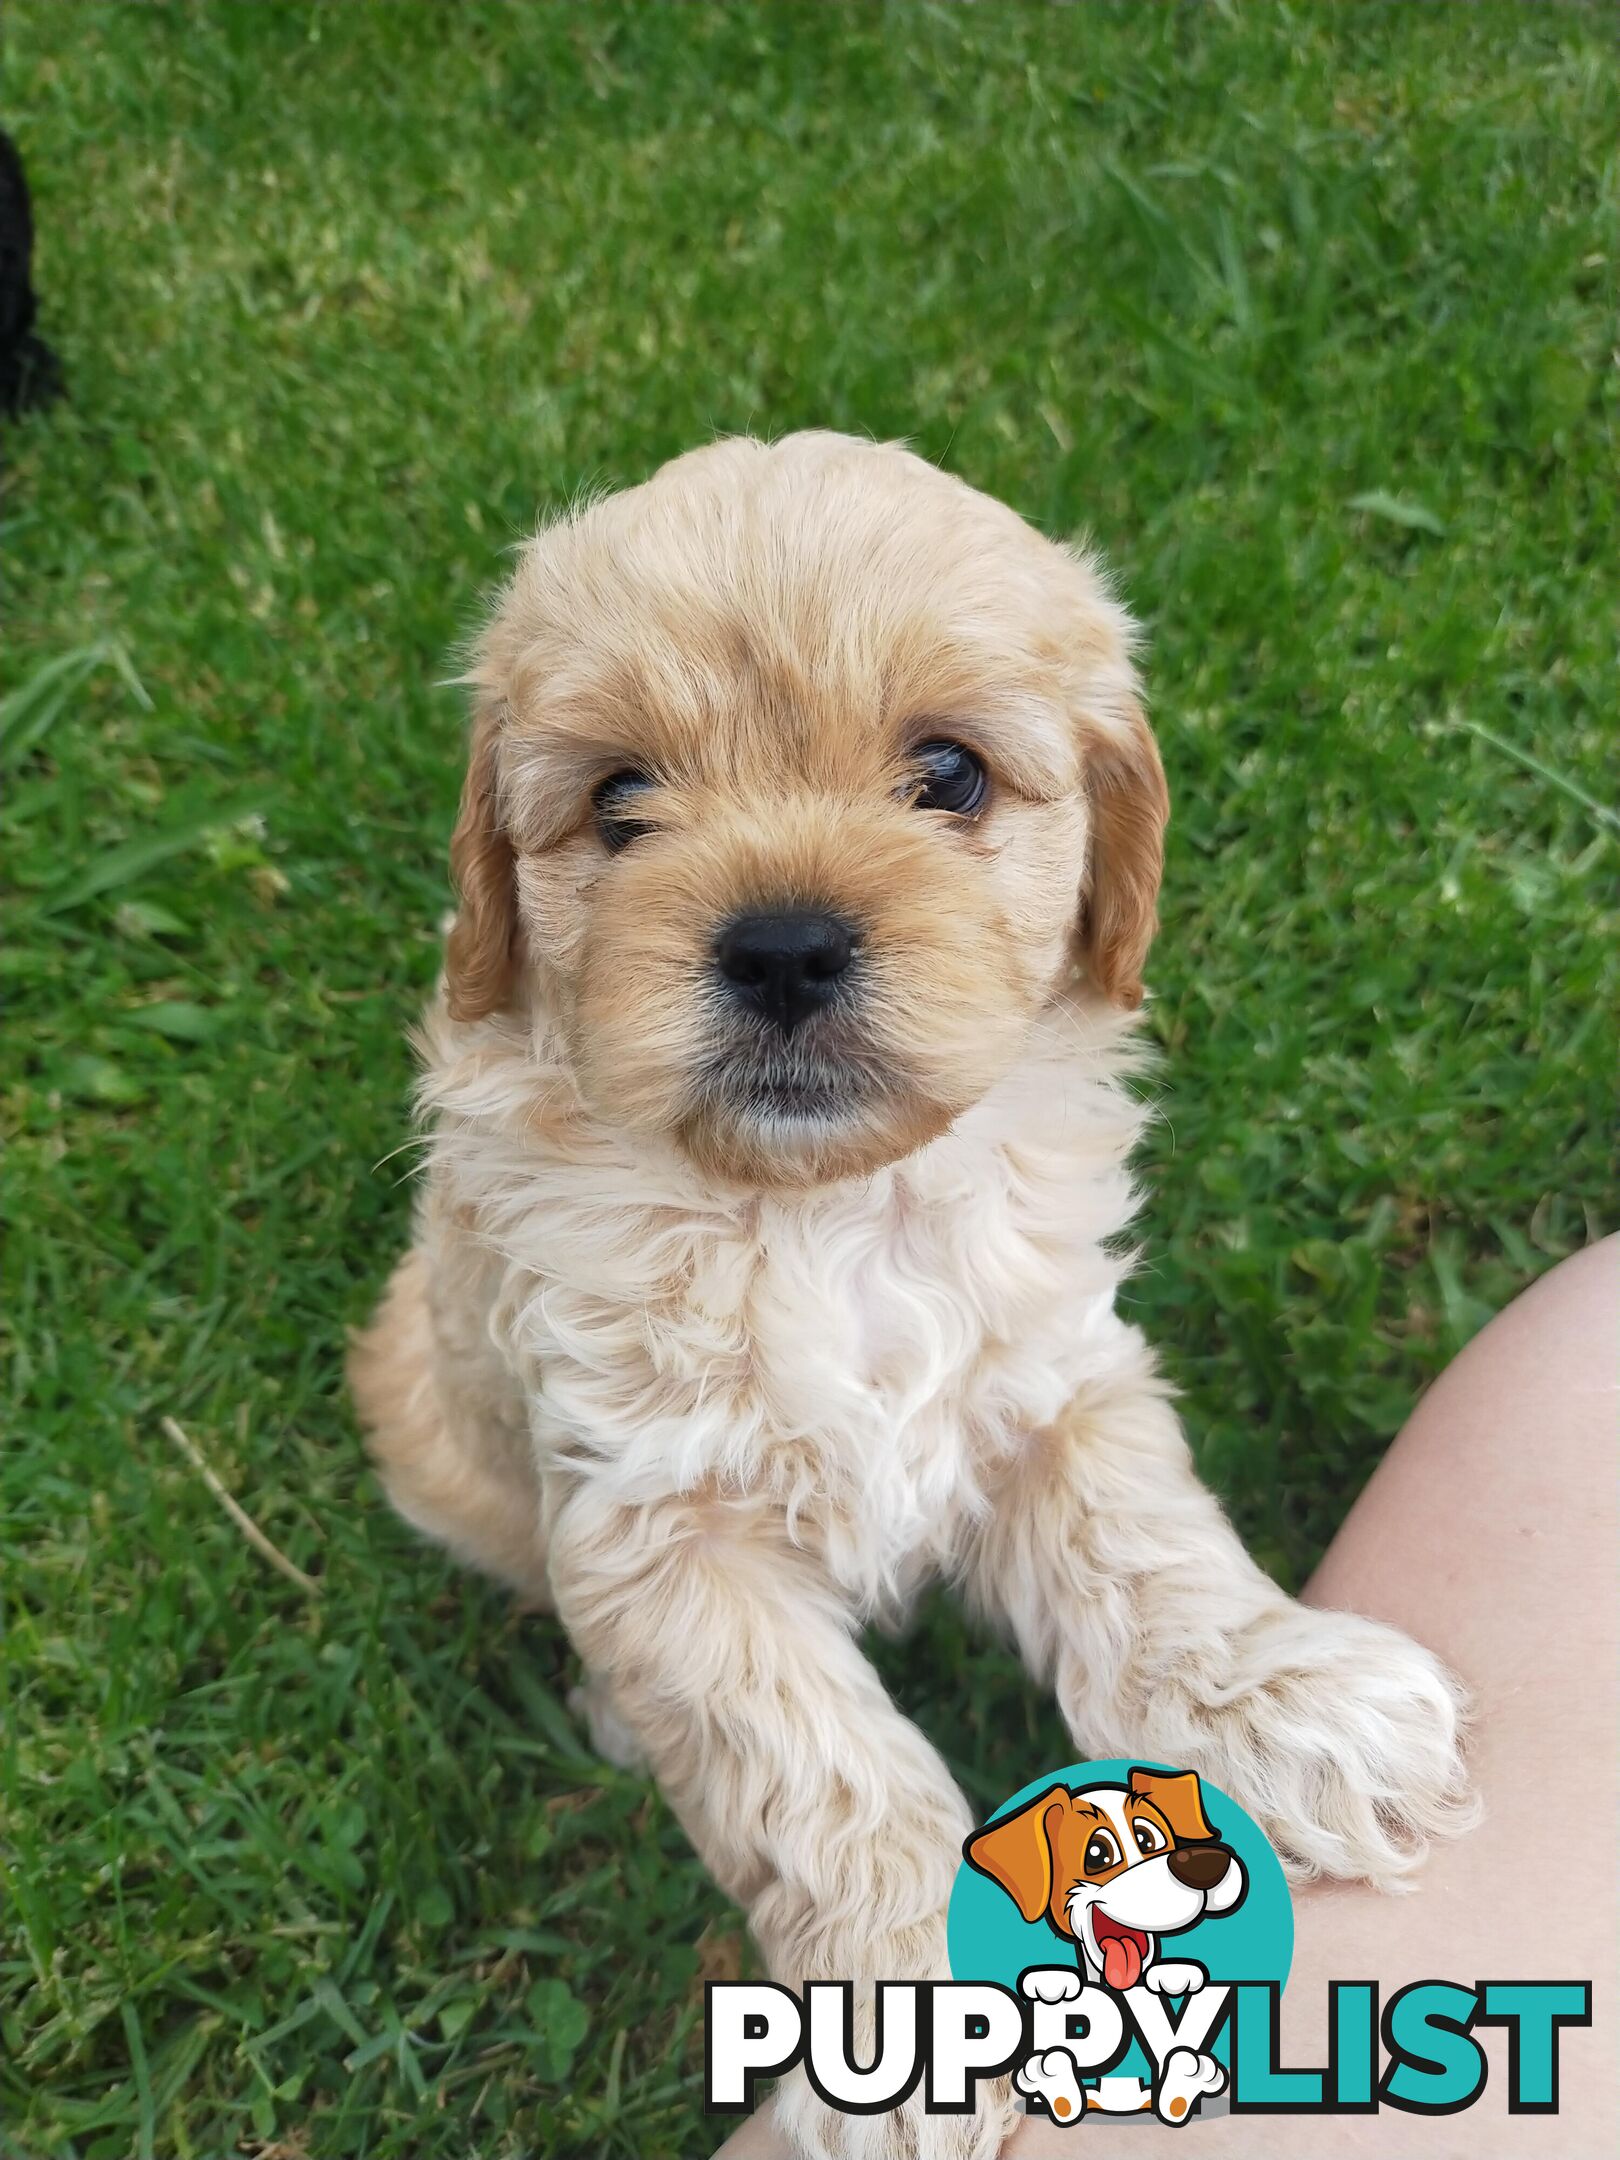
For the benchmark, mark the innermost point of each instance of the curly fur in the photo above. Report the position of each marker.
(727, 1385)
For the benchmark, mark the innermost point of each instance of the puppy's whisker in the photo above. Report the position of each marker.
(424, 1141)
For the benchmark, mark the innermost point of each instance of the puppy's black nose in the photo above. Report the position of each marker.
(1199, 1867)
(785, 966)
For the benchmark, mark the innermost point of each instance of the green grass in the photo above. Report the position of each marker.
(1305, 314)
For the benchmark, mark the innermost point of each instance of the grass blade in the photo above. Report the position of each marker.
(1396, 510)
(124, 864)
(28, 713)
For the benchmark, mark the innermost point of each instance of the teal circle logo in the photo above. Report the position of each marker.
(1140, 1881)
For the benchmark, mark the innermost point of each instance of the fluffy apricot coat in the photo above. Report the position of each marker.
(726, 1345)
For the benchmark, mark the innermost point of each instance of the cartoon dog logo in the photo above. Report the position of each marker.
(1114, 1869)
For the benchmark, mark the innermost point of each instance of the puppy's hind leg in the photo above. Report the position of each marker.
(611, 1736)
(444, 1418)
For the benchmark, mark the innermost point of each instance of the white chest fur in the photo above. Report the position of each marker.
(860, 1355)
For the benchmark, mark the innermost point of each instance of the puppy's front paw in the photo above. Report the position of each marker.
(1343, 1739)
(811, 2129)
(815, 2131)
(1051, 1983)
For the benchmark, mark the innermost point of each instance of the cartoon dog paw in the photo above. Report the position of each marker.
(1054, 2079)
(1051, 1983)
(1187, 2079)
(1173, 1977)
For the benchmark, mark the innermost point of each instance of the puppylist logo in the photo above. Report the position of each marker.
(1123, 1873)
(1120, 1935)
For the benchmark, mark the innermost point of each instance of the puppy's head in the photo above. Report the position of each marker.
(803, 778)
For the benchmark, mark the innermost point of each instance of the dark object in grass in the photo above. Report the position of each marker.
(30, 373)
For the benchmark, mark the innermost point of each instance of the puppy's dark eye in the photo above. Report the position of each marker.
(1101, 1852)
(613, 803)
(949, 778)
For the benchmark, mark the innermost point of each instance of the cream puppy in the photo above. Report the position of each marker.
(766, 1255)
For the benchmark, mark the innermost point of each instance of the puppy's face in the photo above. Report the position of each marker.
(802, 778)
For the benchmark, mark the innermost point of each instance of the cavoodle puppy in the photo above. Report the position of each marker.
(766, 1256)
(30, 373)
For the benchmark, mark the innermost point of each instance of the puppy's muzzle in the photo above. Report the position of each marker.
(1199, 1867)
(786, 966)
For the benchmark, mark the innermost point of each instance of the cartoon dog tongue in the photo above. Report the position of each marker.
(1122, 1961)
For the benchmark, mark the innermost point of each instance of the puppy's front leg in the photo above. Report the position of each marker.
(813, 1802)
(1128, 1590)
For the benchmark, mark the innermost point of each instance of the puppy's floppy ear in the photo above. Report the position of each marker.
(1179, 1798)
(1016, 1852)
(481, 951)
(1130, 807)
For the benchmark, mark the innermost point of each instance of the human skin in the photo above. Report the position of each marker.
(1490, 1532)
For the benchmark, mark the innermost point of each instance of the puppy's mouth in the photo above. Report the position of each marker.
(769, 1090)
(830, 1101)
(1123, 1950)
(823, 1079)
(797, 1098)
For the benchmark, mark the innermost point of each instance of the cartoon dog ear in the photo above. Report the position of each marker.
(1130, 807)
(1016, 1852)
(481, 952)
(1179, 1798)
